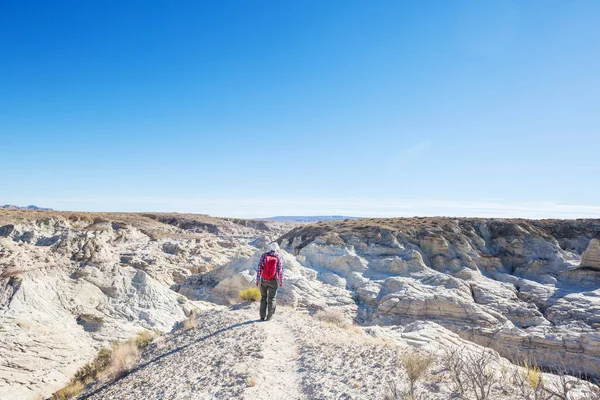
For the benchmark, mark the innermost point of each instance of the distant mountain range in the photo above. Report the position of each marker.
(307, 219)
(13, 207)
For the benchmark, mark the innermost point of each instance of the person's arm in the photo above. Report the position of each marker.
(259, 270)
(280, 271)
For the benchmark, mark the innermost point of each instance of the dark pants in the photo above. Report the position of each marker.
(268, 291)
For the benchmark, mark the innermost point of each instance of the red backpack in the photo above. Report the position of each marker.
(270, 268)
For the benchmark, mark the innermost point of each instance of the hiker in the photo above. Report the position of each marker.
(269, 278)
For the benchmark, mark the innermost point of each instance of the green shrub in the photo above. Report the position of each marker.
(252, 294)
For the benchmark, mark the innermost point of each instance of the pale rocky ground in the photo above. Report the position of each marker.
(70, 283)
(233, 355)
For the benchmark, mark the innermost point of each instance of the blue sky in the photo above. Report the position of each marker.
(260, 108)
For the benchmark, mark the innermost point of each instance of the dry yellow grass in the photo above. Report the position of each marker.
(532, 373)
(69, 391)
(108, 364)
(334, 317)
(251, 294)
(124, 358)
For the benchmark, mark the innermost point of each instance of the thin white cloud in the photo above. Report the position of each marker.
(365, 207)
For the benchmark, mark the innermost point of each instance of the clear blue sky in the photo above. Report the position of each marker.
(259, 108)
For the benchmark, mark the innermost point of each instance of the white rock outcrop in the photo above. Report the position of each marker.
(591, 256)
(72, 283)
(515, 286)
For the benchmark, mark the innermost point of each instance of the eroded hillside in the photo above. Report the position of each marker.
(525, 288)
(529, 289)
(72, 282)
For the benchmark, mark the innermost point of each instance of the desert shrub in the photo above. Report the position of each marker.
(90, 371)
(251, 294)
(415, 364)
(480, 373)
(111, 363)
(124, 358)
(454, 362)
(191, 322)
(472, 371)
(144, 338)
(560, 387)
(69, 391)
(334, 317)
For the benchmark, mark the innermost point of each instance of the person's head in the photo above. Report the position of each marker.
(273, 246)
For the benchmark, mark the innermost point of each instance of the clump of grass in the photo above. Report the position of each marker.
(334, 317)
(91, 371)
(532, 373)
(69, 391)
(144, 338)
(251, 294)
(124, 358)
(111, 363)
(191, 322)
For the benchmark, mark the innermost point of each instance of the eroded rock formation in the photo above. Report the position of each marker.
(517, 286)
(70, 283)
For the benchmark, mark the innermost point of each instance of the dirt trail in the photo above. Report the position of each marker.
(233, 355)
(276, 372)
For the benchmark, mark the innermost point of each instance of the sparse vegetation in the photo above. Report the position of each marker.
(561, 386)
(393, 392)
(191, 322)
(334, 317)
(533, 374)
(415, 364)
(144, 338)
(474, 375)
(124, 358)
(472, 372)
(250, 294)
(108, 364)
(69, 391)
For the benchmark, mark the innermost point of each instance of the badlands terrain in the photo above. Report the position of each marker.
(362, 300)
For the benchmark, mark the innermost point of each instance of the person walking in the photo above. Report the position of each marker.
(269, 278)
